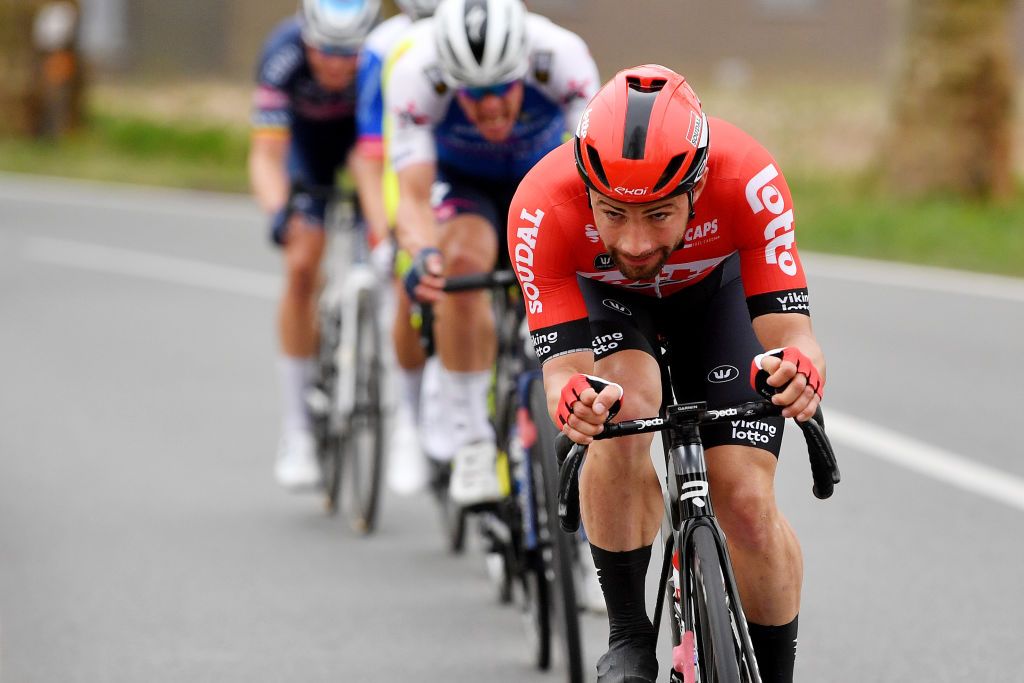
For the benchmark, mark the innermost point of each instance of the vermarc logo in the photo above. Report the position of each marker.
(616, 306)
(723, 374)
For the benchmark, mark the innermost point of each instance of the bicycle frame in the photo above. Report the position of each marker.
(688, 505)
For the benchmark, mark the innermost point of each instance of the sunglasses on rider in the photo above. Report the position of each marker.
(337, 50)
(479, 92)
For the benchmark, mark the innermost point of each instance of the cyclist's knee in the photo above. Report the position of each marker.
(469, 245)
(640, 378)
(465, 258)
(748, 514)
(302, 277)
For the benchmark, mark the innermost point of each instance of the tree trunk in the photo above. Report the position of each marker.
(952, 109)
(15, 66)
(41, 86)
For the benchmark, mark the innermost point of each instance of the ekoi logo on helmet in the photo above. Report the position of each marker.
(632, 191)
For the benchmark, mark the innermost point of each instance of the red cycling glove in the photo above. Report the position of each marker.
(576, 385)
(804, 366)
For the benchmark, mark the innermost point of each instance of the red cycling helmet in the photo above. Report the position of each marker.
(643, 137)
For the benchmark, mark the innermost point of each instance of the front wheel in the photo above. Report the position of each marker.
(364, 440)
(714, 636)
(558, 547)
(320, 402)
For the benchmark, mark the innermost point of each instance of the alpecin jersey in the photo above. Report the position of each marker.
(286, 91)
(428, 125)
(745, 207)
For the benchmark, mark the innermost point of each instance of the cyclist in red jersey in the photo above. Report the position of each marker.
(661, 237)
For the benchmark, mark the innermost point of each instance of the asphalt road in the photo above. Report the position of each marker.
(142, 536)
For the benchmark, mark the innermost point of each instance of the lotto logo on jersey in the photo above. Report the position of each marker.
(778, 234)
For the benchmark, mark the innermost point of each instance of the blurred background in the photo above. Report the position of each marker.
(141, 535)
(888, 99)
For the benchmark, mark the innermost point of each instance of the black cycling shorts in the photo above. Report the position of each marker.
(318, 150)
(458, 194)
(710, 341)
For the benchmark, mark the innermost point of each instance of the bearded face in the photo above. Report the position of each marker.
(640, 237)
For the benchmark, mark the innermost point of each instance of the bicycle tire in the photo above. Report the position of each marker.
(559, 563)
(365, 437)
(537, 610)
(329, 445)
(713, 630)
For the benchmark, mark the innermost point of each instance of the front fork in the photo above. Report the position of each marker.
(688, 506)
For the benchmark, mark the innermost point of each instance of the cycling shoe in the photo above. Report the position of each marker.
(629, 661)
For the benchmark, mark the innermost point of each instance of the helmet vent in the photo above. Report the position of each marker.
(595, 162)
(673, 166)
(504, 48)
(476, 27)
(654, 85)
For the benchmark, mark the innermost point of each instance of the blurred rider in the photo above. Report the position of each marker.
(485, 90)
(407, 471)
(303, 132)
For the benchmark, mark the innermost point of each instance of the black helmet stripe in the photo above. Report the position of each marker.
(475, 18)
(639, 105)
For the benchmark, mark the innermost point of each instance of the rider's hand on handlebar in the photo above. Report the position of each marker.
(424, 282)
(586, 403)
(793, 376)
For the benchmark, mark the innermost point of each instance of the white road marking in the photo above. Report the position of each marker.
(911, 276)
(945, 466)
(153, 267)
(133, 198)
(871, 439)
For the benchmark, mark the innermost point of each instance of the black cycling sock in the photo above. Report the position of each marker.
(775, 649)
(622, 576)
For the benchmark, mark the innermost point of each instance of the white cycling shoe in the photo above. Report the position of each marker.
(407, 466)
(475, 475)
(296, 467)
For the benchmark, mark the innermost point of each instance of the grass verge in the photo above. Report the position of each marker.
(835, 212)
(138, 150)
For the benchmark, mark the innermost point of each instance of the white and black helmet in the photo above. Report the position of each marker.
(482, 42)
(337, 25)
(418, 9)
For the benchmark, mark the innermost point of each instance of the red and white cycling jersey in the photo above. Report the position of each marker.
(745, 207)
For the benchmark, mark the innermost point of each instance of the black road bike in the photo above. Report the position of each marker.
(711, 642)
(539, 564)
(347, 397)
